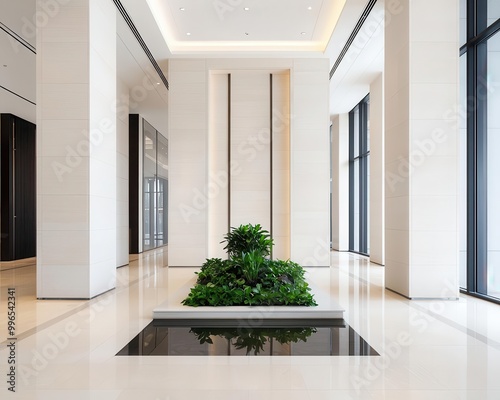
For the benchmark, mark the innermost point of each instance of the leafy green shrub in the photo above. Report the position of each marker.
(247, 238)
(248, 278)
(250, 265)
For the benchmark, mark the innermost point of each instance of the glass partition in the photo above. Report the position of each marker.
(155, 184)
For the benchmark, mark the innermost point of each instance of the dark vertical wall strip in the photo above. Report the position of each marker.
(271, 156)
(229, 152)
(134, 183)
(25, 189)
(7, 217)
(18, 188)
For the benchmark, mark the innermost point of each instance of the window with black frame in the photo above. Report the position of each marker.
(359, 170)
(480, 117)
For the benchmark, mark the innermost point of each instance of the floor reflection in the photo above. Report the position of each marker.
(232, 338)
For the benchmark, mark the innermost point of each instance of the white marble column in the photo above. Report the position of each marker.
(310, 164)
(421, 92)
(76, 149)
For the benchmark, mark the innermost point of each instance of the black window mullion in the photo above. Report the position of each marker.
(476, 48)
(471, 149)
(481, 167)
(471, 175)
(481, 13)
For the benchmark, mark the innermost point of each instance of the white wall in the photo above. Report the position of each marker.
(250, 149)
(256, 105)
(309, 156)
(188, 139)
(122, 175)
(218, 176)
(310, 163)
(421, 89)
(377, 201)
(340, 182)
(281, 165)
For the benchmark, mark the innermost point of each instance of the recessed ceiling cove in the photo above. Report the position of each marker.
(203, 26)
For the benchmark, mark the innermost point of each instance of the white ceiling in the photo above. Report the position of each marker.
(201, 26)
(147, 95)
(272, 24)
(363, 62)
(220, 35)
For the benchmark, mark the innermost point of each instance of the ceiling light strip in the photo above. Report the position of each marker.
(139, 38)
(355, 31)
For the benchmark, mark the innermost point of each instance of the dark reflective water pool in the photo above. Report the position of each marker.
(247, 338)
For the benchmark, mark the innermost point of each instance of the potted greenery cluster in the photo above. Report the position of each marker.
(248, 276)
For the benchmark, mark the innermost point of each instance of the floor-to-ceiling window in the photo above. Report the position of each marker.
(359, 153)
(480, 72)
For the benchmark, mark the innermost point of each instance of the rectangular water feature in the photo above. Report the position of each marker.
(248, 338)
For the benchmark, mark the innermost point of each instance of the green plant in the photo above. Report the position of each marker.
(248, 278)
(250, 264)
(247, 238)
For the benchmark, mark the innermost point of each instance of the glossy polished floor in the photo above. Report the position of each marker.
(430, 350)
